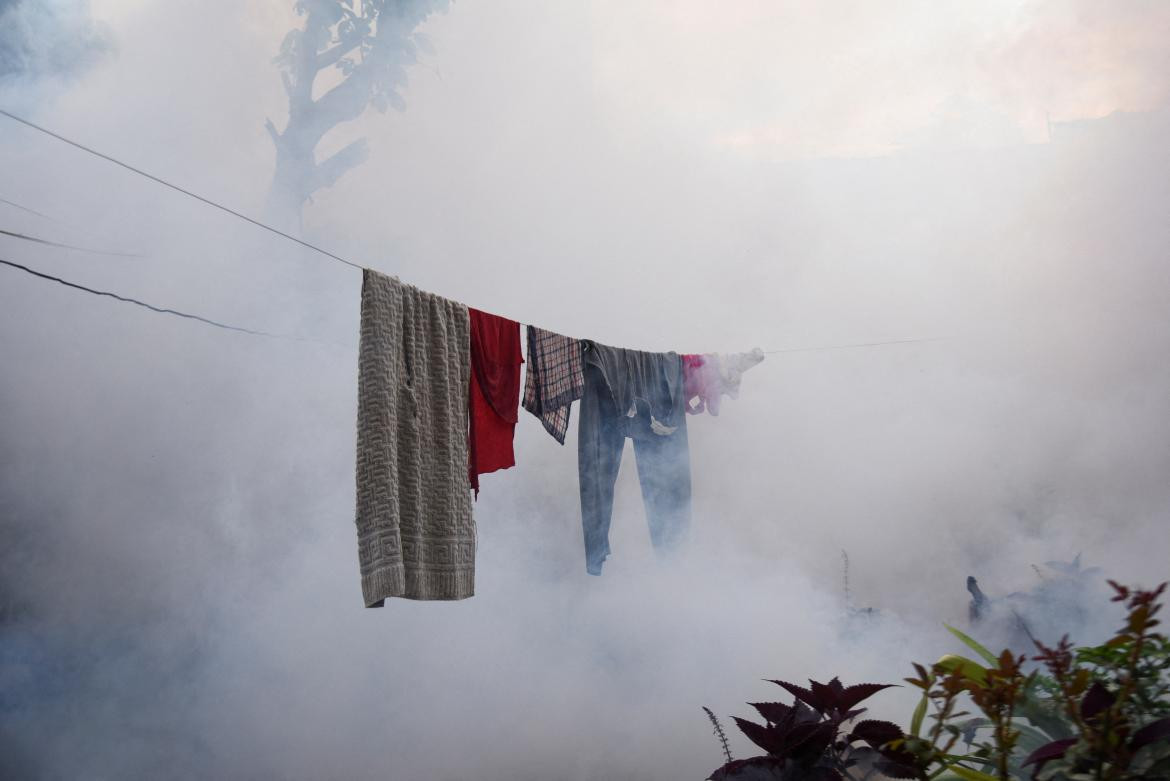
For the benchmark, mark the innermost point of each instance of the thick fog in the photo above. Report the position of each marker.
(179, 590)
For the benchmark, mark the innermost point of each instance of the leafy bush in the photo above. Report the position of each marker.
(804, 741)
(1087, 714)
(1115, 698)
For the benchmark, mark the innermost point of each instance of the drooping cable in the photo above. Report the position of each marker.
(859, 344)
(136, 302)
(37, 240)
(14, 205)
(303, 243)
(177, 188)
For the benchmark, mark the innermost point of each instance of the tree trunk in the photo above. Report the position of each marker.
(380, 41)
(289, 190)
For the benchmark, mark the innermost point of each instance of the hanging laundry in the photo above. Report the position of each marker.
(698, 381)
(709, 377)
(495, 393)
(629, 393)
(416, 535)
(554, 379)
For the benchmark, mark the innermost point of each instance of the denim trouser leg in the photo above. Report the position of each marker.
(664, 471)
(600, 441)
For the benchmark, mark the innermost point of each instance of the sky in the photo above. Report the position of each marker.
(179, 594)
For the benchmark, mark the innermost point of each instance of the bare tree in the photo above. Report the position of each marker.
(372, 43)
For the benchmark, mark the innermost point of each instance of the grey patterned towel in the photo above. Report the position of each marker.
(416, 536)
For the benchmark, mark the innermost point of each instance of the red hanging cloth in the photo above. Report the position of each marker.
(495, 393)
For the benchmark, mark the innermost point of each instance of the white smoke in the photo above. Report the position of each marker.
(48, 40)
(179, 578)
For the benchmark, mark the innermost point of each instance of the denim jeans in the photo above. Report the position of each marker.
(649, 388)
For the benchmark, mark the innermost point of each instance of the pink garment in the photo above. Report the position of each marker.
(708, 378)
(696, 382)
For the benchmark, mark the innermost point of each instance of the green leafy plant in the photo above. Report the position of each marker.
(995, 689)
(1098, 713)
(1115, 697)
(1092, 713)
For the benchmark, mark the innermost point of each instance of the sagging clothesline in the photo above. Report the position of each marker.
(438, 402)
(62, 245)
(177, 188)
(128, 300)
(859, 344)
(209, 202)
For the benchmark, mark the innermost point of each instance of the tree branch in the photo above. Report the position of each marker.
(343, 103)
(271, 128)
(328, 171)
(337, 51)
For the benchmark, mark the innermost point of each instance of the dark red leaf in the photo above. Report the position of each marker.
(1152, 732)
(749, 769)
(862, 691)
(774, 712)
(802, 713)
(876, 733)
(767, 738)
(1053, 750)
(1097, 699)
(808, 741)
(827, 697)
(799, 692)
(891, 769)
(801, 733)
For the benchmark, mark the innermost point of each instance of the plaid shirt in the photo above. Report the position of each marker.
(554, 379)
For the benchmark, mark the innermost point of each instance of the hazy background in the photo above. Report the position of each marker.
(179, 593)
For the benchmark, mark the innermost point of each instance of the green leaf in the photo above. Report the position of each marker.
(974, 645)
(919, 715)
(970, 775)
(971, 670)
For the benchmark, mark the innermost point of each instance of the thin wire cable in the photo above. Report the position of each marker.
(26, 209)
(68, 246)
(848, 346)
(176, 188)
(303, 243)
(135, 301)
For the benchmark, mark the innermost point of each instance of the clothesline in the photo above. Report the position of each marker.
(259, 224)
(26, 209)
(37, 240)
(136, 302)
(859, 344)
(177, 188)
(439, 394)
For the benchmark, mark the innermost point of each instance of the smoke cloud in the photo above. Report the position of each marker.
(179, 593)
(48, 40)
